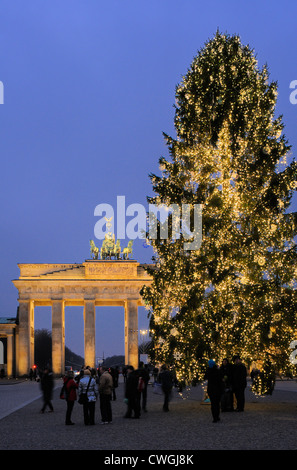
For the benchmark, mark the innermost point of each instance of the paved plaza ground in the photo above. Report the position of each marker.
(268, 423)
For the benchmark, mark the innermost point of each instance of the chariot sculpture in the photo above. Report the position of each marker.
(111, 249)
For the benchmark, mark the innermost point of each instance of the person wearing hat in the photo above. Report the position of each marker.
(87, 385)
(214, 388)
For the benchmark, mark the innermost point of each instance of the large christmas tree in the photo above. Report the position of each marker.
(236, 293)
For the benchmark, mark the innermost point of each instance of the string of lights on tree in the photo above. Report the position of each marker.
(236, 294)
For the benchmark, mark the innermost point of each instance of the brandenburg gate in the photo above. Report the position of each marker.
(90, 284)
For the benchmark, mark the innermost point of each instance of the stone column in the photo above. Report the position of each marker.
(58, 337)
(26, 337)
(89, 333)
(10, 355)
(131, 333)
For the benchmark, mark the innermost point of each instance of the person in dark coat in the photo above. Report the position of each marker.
(132, 395)
(144, 373)
(239, 383)
(47, 386)
(124, 373)
(114, 372)
(166, 380)
(227, 394)
(70, 387)
(106, 387)
(214, 388)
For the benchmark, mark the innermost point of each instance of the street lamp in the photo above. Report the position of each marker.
(143, 333)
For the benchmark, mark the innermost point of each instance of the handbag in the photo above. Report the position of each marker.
(63, 392)
(83, 397)
(140, 386)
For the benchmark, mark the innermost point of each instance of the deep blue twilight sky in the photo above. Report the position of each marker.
(89, 87)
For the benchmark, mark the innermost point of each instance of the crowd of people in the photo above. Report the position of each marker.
(92, 385)
(225, 385)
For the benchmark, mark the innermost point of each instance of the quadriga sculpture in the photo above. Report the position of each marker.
(108, 246)
(127, 250)
(117, 250)
(94, 250)
(110, 249)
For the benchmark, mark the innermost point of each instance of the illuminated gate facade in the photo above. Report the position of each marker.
(90, 284)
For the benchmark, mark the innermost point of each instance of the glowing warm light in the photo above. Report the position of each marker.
(236, 294)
